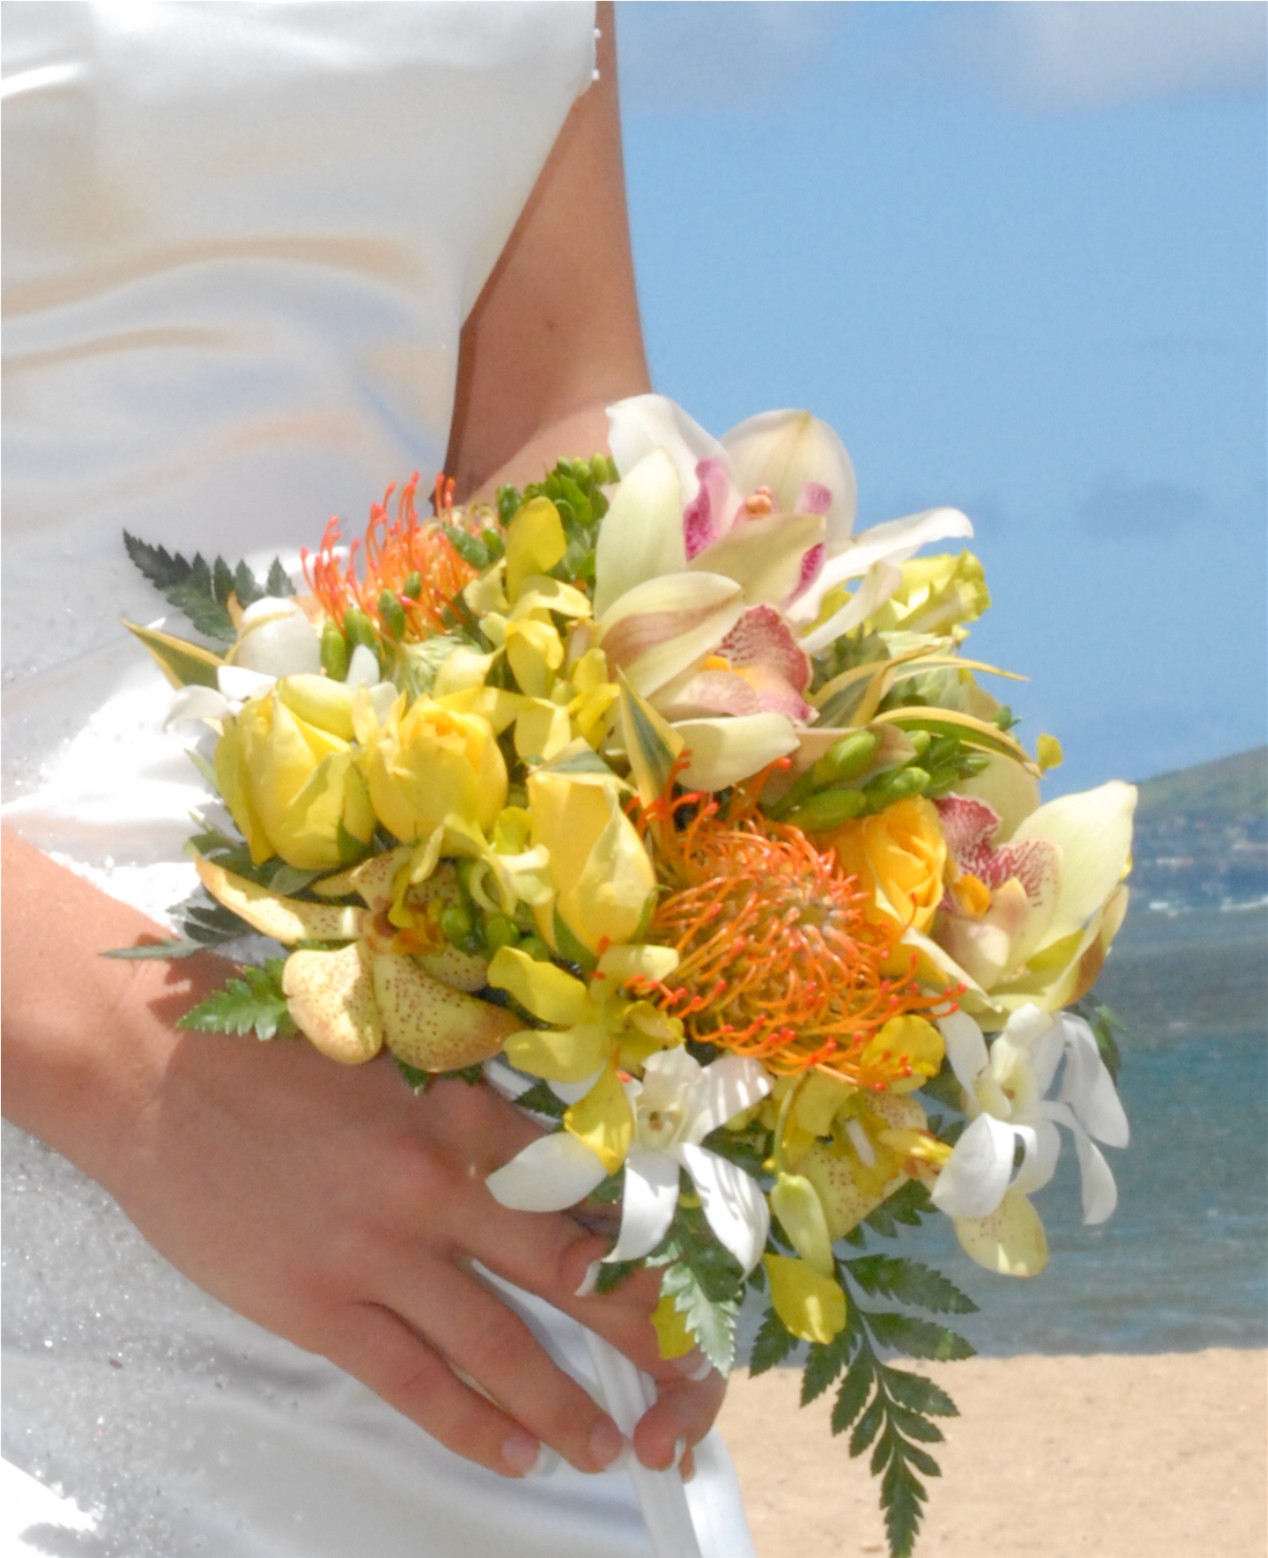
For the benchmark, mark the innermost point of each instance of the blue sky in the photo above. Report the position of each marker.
(1018, 256)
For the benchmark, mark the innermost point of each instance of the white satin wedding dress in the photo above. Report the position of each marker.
(240, 242)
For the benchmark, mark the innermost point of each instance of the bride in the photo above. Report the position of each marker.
(259, 261)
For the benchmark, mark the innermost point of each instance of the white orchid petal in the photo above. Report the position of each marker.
(973, 1180)
(789, 450)
(647, 1203)
(238, 683)
(765, 556)
(1041, 1036)
(198, 703)
(895, 541)
(641, 536)
(733, 1204)
(1088, 1088)
(871, 595)
(966, 1048)
(1041, 1146)
(276, 637)
(549, 1174)
(721, 752)
(1093, 831)
(363, 667)
(1100, 1193)
(726, 1088)
(642, 423)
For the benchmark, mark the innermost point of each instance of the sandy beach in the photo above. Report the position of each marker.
(1162, 1456)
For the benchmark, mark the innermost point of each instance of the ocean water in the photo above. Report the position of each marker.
(1183, 1263)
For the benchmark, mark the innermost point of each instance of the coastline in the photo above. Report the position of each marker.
(1164, 1454)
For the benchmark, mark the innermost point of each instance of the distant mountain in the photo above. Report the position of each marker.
(1202, 834)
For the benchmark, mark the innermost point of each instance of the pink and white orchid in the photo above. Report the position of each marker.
(713, 563)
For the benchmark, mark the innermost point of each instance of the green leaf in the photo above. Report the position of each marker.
(824, 1362)
(540, 1098)
(711, 1321)
(868, 1426)
(910, 1282)
(919, 1394)
(255, 1003)
(184, 665)
(853, 1394)
(278, 582)
(772, 1344)
(918, 1338)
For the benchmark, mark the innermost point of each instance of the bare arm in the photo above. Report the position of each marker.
(555, 335)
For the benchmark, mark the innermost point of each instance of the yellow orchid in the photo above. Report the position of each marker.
(394, 980)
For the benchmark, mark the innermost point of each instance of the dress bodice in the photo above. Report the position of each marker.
(240, 241)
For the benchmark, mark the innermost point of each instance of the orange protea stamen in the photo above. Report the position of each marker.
(410, 561)
(777, 957)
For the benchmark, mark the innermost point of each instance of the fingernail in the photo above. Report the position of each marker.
(591, 1279)
(680, 1449)
(526, 1456)
(694, 1365)
(606, 1443)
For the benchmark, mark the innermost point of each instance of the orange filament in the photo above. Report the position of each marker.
(777, 957)
(412, 560)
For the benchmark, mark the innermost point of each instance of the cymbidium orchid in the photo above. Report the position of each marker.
(666, 1117)
(715, 556)
(981, 1187)
(1028, 917)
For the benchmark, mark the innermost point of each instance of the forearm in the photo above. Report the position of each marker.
(86, 1039)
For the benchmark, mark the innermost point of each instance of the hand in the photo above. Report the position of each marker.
(327, 1203)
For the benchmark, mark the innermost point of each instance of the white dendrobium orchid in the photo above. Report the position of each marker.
(676, 1105)
(1005, 1091)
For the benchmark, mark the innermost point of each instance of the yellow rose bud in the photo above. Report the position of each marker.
(899, 857)
(599, 867)
(429, 762)
(286, 770)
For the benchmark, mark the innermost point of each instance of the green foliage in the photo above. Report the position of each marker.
(541, 1099)
(772, 1344)
(704, 1282)
(1106, 1026)
(202, 590)
(255, 1003)
(910, 1282)
(575, 488)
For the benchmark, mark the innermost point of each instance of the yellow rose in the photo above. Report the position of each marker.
(428, 762)
(599, 867)
(286, 770)
(899, 857)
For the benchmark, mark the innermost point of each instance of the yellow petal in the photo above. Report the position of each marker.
(796, 1203)
(535, 542)
(810, 1305)
(431, 1026)
(287, 920)
(331, 997)
(560, 1054)
(603, 1120)
(674, 1337)
(1010, 1241)
(548, 992)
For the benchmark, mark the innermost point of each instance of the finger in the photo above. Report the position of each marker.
(386, 1355)
(682, 1415)
(485, 1339)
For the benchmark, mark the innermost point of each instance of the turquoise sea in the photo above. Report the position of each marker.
(1183, 1263)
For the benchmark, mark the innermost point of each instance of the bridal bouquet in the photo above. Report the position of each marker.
(664, 798)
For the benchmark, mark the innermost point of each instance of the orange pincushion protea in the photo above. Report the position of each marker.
(411, 562)
(778, 959)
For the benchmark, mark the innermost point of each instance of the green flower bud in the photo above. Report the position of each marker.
(846, 758)
(392, 614)
(334, 652)
(500, 931)
(829, 809)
